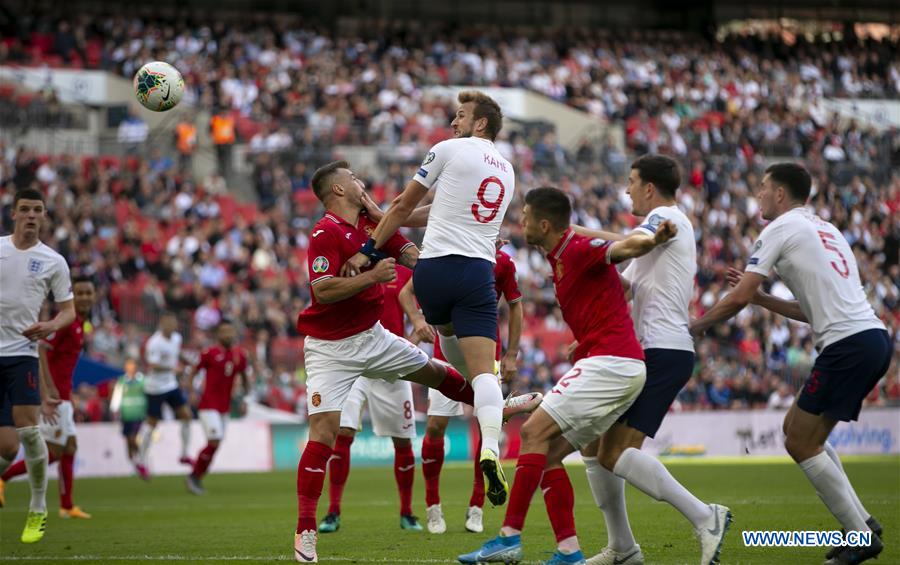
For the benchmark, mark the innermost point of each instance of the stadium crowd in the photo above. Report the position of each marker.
(155, 238)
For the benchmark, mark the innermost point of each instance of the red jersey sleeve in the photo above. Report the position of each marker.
(592, 252)
(506, 278)
(323, 256)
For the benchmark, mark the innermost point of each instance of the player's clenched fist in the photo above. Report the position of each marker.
(665, 232)
(385, 270)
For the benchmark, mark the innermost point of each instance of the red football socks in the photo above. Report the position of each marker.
(432, 461)
(528, 476)
(405, 474)
(559, 498)
(310, 478)
(338, 471)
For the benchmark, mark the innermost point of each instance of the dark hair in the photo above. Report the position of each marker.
(661, 170)
(167, 314)
(223, 322)
(321, 179)
(793, 177)
(552, 204)
(485, 107)
(27, 194)
(76, 279)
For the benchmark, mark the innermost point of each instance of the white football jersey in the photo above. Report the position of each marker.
(474, 185)
(26, 278)
(814, 260)
(662, 284)
(166, 352)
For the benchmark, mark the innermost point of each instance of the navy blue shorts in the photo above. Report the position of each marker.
(458, 290)
(174, 398)
(845, 373)
(19, 381)
(668, 370)
(131, 428)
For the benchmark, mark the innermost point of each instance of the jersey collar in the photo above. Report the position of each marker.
(561, 246)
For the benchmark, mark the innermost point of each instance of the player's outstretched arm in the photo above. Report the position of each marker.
(335, 289)
(418, 218)
(396, 216)
(787, 308)
(638, 244)
(602, 234)
(734, 302)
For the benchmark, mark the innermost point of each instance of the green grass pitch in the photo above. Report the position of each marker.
(250, 518)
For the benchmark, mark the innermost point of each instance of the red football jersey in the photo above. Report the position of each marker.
(591, 298)
(392, 316)
(221, 366)
(507, 287)
(66, 345)
(332, 243)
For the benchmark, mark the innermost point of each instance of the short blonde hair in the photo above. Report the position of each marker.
(485, 107)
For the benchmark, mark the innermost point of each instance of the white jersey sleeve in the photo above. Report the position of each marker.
(27, 276)
(816, 263)
(662, 284)
(473, 185)
(767, 249)
(434, 163)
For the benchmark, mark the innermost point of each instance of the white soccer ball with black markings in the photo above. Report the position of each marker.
(158, 86)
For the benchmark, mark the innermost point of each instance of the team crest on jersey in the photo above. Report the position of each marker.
(35, 266)
(428, 158)
(756, 246)
(597, 242)
(316, 399)
(559, 270)
(320, 264)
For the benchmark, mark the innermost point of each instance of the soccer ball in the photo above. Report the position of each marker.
(158, 86)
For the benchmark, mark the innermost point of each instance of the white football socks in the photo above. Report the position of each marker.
(488, 409)
(36, 463)
(145, 438)
(609, 494)
(832, 454)
(834, 489)
(185, 438)
(652, 477)
(453, 354)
